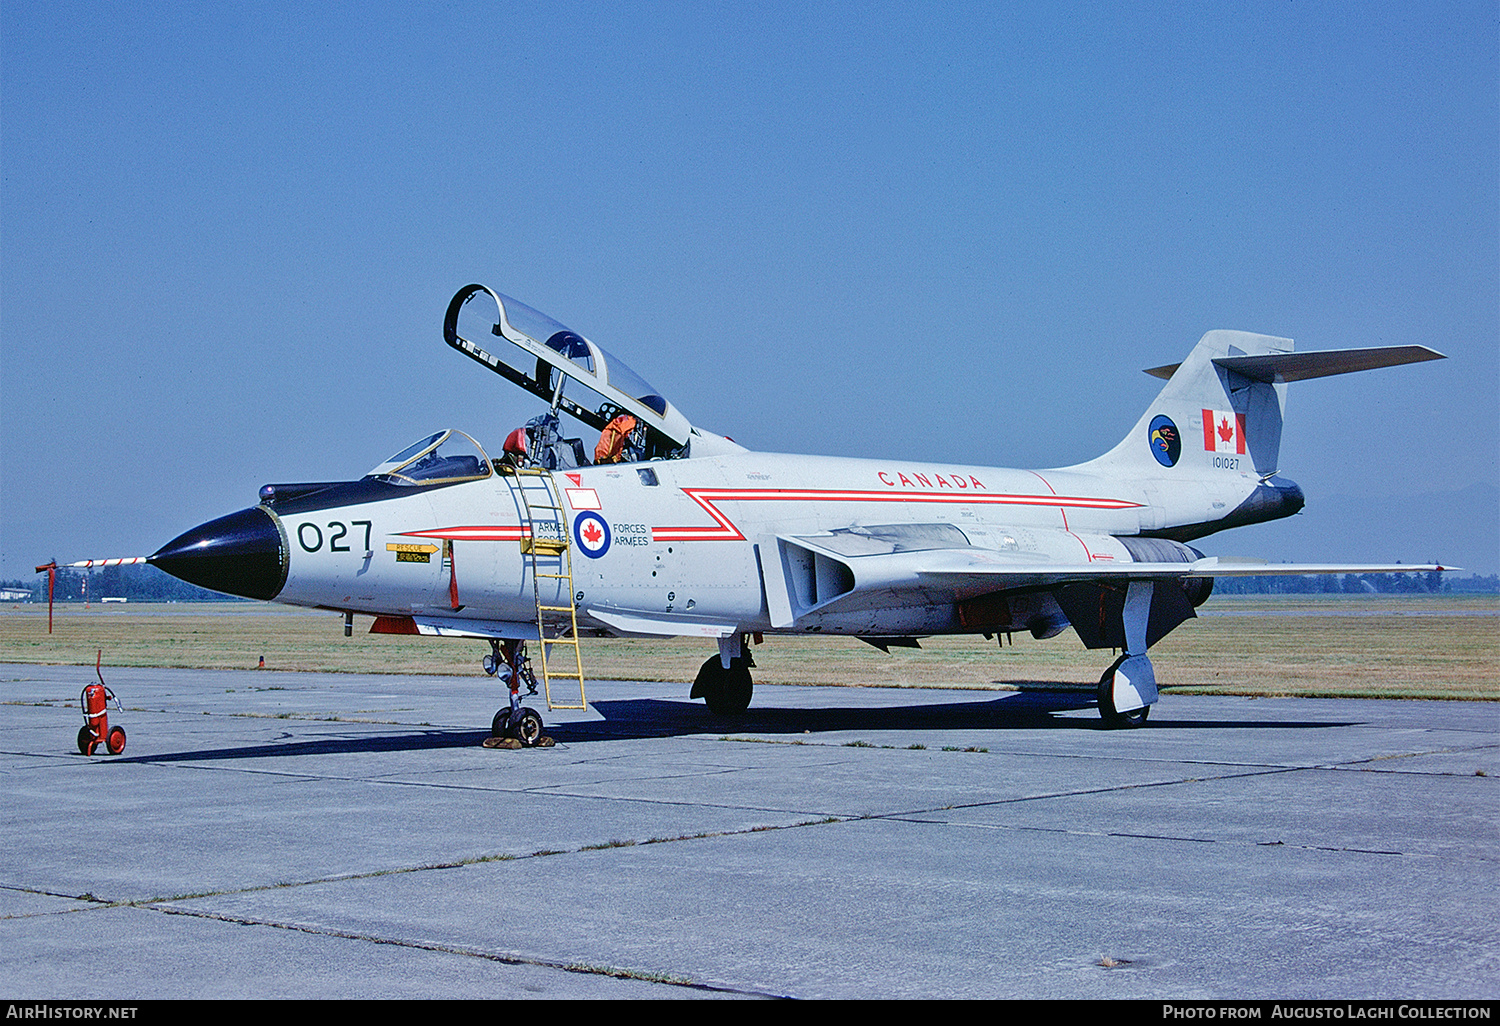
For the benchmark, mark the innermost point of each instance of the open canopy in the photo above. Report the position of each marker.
(573, 374)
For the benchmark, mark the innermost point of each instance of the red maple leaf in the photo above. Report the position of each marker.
(1225, 431)
(591, 533)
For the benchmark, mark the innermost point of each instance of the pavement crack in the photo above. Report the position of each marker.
(511, 958)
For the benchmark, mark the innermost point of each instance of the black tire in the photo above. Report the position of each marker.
(725, 692)
(529, 729)
(116, 741)
(499, 725)
(86, 740)
(1106, 694)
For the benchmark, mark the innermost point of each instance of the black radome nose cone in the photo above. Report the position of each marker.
(242, 554)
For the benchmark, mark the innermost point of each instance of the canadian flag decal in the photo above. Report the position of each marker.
(1223, 431)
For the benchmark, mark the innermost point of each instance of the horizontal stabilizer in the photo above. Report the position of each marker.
(1277, 368)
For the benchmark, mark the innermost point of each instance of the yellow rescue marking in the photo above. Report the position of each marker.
(410, 553)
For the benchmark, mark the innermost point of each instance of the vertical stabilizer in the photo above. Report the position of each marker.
(1208, 417)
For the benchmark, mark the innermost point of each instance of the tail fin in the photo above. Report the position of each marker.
(1223, 405)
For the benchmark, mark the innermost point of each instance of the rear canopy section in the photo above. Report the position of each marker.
(572, 374)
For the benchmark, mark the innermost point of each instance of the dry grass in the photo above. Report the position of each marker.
(1378, 646)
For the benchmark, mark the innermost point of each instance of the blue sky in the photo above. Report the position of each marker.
(951, 232)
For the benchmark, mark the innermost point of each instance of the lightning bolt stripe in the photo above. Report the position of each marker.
(725, 530)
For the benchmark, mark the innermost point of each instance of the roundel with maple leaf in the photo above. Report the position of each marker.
(591, 533)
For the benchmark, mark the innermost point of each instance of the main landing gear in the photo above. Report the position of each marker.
(1106, 692)
(724, 682)
(518, 726)
(1128, 688)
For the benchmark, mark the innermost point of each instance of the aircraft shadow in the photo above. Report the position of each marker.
(369, 744)
(640, 718)
(1030, 710)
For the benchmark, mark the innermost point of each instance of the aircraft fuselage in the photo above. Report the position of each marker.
(689, 546)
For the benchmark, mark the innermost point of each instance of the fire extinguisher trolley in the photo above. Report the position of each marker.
(96, 730)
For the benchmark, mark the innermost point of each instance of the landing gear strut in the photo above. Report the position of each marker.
(519, 659)
(724, 682)
(518, 723)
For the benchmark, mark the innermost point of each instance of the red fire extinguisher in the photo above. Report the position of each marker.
(96, 731)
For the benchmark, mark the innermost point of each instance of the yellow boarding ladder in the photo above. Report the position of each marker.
(545, 541)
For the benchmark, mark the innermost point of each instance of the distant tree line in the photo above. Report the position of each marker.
(1430, 583)
(1489, 584)
(132, 583)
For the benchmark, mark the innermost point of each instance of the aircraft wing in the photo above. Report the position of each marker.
(826, 578)
(1209, 566)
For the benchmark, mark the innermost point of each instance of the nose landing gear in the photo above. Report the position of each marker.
(519, 723)
(518, 726)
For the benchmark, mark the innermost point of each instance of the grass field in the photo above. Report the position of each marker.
(1377, 646)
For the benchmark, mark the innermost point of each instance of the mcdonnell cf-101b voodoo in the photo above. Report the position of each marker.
(611, 514)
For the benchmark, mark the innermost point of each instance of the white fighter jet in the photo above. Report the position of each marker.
(665, 529)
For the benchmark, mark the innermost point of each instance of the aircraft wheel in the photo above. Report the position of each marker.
(1116, 720)
(116, 741)
(500, 725)
(86, 740)
(529, 729)
(725, 692)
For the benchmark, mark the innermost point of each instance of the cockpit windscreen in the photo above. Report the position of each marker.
(446, 457)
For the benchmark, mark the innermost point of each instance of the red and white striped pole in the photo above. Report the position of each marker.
(83, 564)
